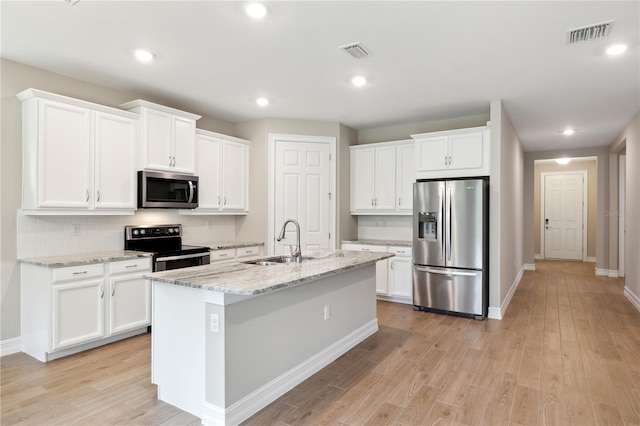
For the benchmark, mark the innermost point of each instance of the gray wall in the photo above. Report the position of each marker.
(602, 233)
(16, 78)
(506, 204)
(629, 140)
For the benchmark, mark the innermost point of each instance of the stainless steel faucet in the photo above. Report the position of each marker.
(297, 253)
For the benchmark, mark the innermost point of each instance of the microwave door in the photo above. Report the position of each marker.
(429, 246)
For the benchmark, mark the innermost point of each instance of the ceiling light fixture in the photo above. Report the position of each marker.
(568, 132)
(262, 101)
(563, 161)
(144, 55)
(256, 10)
(616, 49)
(358, 81)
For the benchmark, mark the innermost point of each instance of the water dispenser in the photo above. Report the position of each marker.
(428, 225)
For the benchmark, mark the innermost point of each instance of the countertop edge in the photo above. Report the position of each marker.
(84, 258)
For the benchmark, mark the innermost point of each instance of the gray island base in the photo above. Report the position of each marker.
(229, 339)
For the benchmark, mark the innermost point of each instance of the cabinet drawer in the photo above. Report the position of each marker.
(80, 272)
(226, 254)
(401, 251)
(248, 251)
(364, 247)
(129, 266)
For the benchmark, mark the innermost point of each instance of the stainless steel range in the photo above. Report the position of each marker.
(165, 242)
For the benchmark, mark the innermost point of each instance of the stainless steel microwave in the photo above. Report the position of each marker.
(158, 190)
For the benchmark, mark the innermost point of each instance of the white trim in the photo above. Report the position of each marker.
(529, 266)
(10, 346)
(537, 256)
(260, 398)
(332, 141)
(499, 313)
(622, 201)
(590, 259)
(602, 272)
(585, 193)
(634, 299)
(613, 273)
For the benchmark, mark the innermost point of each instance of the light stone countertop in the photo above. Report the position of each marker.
(85, 258)
(398, 243)
(222, 245)
(246, 279)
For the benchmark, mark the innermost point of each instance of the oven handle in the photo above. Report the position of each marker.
(190, 191)
(181, 256)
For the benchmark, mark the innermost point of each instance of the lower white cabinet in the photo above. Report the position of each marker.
(71, 309)
(394, 276)
(240, 253)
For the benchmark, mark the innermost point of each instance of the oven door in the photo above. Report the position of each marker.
(180, 261)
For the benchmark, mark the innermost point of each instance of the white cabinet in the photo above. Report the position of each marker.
(78, 157)
(167, 137)
(381, 265)
(381, 183)
(222, 165)
(394, 276)
(453, 153)
(70, 309)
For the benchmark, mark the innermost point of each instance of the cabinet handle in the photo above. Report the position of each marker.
(372, 202)
(102, 290)
(87, 195)
(376, 204)
(225, 201)
(170, 161)
(113, 289)
(399, 201)
(98, 197)
(223, 254)
(174, 161)
(219, 200)
(392, 264)
(249, 251)
(80, 273)
(366, 249)
(132, 266)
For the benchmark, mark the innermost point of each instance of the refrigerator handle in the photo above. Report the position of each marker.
(450, 273)
(439, 235)
(448, 222)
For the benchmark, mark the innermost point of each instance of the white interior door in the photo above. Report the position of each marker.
(621, 216)
(563, 215)
(302, 192)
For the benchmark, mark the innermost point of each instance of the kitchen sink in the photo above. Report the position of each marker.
(276, 260)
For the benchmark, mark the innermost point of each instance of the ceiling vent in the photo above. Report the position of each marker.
(356, 50)
(592, 32)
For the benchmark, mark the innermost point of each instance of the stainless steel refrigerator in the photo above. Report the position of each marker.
(451, 246)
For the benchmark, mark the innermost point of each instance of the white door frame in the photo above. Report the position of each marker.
(585, 186)
(271, 202)
(622, 177)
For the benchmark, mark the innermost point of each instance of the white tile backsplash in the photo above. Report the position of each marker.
(40, 236)
(397, 228)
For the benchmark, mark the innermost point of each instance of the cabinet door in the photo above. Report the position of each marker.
(130, 306)
(405, 176)
(157, 140)
(234, 176)
(400, 277)
(466, 151)
(115, 170)
(362, 178)
(431, 153)
(381, 265)
(385, 178)
(64, 161)
(209, 170)
(184, 145)
(78, 313)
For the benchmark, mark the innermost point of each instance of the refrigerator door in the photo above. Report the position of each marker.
(448, 289)
(428, 223)
(463, 235)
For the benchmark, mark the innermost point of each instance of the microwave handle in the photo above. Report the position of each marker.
(190, 191)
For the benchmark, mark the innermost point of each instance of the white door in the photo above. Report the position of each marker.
(302, 187)
(563, 215)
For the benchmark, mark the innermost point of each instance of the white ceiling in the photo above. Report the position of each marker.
(431, 60)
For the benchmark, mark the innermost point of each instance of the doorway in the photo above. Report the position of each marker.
(621, 214)
(563, 215)
(302, 187)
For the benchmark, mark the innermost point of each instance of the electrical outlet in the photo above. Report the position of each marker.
(215, 323)
(327, 312)
(75, 229)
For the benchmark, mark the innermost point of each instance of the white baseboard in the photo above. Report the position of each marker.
(611, 273)
(537, 256)
(634, 299)
(590, 259)
(529, 266)
(255, 401)
(10, 346)
(499, 313)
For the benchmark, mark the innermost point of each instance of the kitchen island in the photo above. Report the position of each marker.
(228, 339)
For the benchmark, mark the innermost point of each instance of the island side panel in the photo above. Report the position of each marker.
(277, 340)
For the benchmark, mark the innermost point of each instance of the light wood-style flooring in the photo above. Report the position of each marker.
(567, 352)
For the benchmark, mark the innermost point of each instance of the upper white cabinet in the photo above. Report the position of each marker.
(222, 165)
(382, 176)
(77, 156)
(167, 137)
(454, 153)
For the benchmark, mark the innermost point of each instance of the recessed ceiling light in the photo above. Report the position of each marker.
(256, 10)
(568, 132)
(262, 101)
(358, 81)
(143, 55)
(563, 161)
(616, 49)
